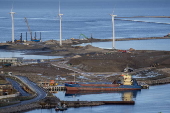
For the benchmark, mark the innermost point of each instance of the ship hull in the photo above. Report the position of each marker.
(106, 87)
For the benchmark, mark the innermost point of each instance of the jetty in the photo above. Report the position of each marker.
(55, 88)
(90, 40)
(95, 103)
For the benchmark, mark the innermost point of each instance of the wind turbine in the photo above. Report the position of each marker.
(12, 16)
(60, 25)
(113, 16)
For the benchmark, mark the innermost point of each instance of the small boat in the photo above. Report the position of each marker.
(57, 108)
(126, 83)
(64, 106)
(61, 108)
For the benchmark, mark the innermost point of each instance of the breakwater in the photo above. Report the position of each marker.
(32, 106)
(48, 102)
(128, 39)
(20, 108)
(144, 38)
(90, 40)
(158, 81)
(146, 17)
(95, 103)
(143, 21)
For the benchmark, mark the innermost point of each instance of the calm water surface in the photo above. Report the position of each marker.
(92, 17)
(4, 54)
(158, 44)
(85, 16)
(152, 100)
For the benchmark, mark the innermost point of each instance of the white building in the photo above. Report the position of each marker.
(11, 60)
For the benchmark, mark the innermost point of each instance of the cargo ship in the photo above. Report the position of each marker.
(126, 83)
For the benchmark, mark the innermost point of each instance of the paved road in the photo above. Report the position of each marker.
(18, 87)
(63, 64)
(39, 91)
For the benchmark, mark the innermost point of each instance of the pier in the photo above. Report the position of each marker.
(52, 86)
(55, 88)
(95, 103)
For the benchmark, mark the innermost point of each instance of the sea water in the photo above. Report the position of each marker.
(92, 18)
(4, 54)
(156, 44)
(89, 17)
(152, 100)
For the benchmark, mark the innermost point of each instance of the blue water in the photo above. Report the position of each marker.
(158, 44)
(85, 16)
(91, 17)
(152, 100)
(4, 54)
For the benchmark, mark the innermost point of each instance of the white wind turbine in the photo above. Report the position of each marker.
(12, 16)
(113, 16)
(60, 25)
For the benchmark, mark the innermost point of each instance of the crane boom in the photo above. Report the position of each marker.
(28, 27)
(83, 36)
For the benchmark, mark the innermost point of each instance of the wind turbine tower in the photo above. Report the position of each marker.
(60, 25)
(12, 16)
(113, 25)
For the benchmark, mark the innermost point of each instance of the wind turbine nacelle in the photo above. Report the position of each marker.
(113, 15)
(12, 13)
(60, 14)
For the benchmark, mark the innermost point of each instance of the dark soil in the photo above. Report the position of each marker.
(117, 61)
(38, 72)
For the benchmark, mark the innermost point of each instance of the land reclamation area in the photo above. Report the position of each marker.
(87, 64)
(103, 64)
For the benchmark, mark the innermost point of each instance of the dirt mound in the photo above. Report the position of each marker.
(92, 48)
(117, 61)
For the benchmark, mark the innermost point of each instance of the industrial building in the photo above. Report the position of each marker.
(6, 61)
(11, 60)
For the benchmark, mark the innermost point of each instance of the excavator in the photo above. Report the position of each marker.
(83, 36)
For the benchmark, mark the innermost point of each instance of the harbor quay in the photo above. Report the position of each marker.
(79, 103)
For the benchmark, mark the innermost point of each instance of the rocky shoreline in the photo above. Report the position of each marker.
(21, 108)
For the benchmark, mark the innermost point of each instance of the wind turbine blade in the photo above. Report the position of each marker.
(59, 6)
(12, 6)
